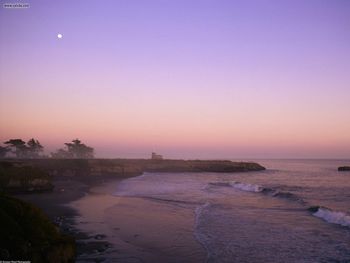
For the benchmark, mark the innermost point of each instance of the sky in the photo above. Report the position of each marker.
(185, 78)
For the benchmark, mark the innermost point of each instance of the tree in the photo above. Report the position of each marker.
(80, 150)
(34, 148)
(75, 149)
(61, 154)
(3, 151)
(18, 147)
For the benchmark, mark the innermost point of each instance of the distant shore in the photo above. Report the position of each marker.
(131, 167)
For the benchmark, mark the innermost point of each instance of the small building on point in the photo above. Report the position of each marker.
(156, 156)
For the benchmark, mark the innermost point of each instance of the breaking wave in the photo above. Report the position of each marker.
(201, 237)
(238, 185)
(289, 196)
(228, 184)
(167, 200)
(258, 189)
(247, 187)
(330, 216)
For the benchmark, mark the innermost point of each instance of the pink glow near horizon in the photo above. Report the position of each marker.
(190, 79)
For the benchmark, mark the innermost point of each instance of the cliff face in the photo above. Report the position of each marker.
(201, 166)
(17, 177)
(27, 234)
(132, 167)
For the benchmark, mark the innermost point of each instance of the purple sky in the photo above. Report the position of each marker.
(207, 79)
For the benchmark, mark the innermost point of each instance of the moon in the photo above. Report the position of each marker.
(59, 36)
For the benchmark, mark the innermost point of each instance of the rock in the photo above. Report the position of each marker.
(313, 209)
(23, 178)
(344, 168)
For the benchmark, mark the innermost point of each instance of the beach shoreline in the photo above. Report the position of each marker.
(108, 228)
(56, 205)
(84, 189)
(136, 229)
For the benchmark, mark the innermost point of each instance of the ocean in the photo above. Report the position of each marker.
(295, 211)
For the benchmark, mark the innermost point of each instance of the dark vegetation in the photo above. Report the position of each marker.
(17, 148)
(75, 149)
(20, 149)
(27, 234)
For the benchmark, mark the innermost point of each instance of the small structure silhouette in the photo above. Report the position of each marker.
(156, 156)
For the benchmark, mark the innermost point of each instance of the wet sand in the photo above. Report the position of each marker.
(56, 206)
(111, 228)
(53, 203)
(138, 229)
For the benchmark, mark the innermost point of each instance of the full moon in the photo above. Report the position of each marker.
(59, 36)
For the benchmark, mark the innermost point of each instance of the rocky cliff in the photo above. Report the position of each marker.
(132, 167)
(19, 177)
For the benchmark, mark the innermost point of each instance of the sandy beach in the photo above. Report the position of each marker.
(198, 217)
(111, 228)
(134, 232)
(55, 204)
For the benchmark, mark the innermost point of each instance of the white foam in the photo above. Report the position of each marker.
(334, 217)
(199, 209)
(247, 187)
(201, 237)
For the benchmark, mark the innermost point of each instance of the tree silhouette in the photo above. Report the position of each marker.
(61, 154)
(18, 147)
(3, 151)
(80, 150)
(75, 149)
(34, 148)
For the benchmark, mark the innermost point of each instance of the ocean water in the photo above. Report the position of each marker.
(295, 211)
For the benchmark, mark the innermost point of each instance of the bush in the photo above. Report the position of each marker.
(27, 234)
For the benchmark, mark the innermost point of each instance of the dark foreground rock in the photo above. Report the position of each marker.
(344, 168)
(313, 209)
(27, 234)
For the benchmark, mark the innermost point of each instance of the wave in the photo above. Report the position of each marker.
(247, 187)
(200, 236)
(237, 185)
(200, 209)
(288, 195)
(167, 200)
(259, 189)
(228, 184)
(161, 199)
(330, 216)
